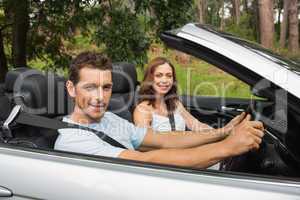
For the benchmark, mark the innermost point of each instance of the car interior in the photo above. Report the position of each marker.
(44, 94)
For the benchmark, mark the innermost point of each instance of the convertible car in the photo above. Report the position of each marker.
(32, 169)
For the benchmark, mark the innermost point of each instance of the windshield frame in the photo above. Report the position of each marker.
(289, 64)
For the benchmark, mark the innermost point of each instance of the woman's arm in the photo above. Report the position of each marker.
(142, 115)
(191, 122)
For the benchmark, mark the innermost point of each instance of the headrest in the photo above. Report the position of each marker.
(118, 106)
(37, 92)
(124, 77)
(12, 76)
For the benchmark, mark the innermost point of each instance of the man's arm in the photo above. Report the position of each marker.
(180, 139)
(199, 157)
(246, 136)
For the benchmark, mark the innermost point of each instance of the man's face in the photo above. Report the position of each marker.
(92, 94)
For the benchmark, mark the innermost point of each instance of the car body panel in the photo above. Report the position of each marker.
(257, 63)
(60, 177)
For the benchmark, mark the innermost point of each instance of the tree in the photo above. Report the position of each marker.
(222, 13)
(283, 25)
(245, 5)
(19, 11)
(3, 27)
(3, 62)
(236, 11)
(121, 33)
(266, 23)
(293, 27)
(201, 11)
(166, 14)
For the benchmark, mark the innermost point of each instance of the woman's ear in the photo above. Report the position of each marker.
(71, 88)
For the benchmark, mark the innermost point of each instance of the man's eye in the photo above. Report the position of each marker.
(89, 87)
(107, 87)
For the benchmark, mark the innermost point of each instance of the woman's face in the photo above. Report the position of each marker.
(163, 79)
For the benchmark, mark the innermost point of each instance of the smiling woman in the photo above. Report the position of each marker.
(159, 106)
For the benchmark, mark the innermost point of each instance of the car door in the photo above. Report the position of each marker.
(38, 174)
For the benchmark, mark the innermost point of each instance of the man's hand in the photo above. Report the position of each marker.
(245, 136)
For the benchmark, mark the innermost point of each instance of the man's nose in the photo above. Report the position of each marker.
(99, 94)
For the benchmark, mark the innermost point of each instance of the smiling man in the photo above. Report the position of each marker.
(90, 85)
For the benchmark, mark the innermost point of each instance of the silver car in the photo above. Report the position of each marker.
(31, 169)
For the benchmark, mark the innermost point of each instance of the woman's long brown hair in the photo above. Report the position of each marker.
(147, 93)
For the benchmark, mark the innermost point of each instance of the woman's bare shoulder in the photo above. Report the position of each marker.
(144, 106)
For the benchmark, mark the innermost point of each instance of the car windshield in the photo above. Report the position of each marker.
(286, 63)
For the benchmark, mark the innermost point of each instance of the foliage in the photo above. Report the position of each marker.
(115, 26)
(165, 14)
(123, 36)
(243, 29)
(53, 22)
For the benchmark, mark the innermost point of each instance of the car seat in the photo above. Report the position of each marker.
(45, 94)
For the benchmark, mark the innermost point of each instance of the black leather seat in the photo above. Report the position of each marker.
(45, 94)
(41, 94)
(124, 89)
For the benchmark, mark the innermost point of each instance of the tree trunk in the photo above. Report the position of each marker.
(3, 61)
(201, 9)
(293, 27)
(279, 9)
(20, 29)
(284, 22)
(266, 23)
(236, 11)
(246, 9)
(255, 19)
(222, 23)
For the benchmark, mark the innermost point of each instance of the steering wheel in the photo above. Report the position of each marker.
(271, 158)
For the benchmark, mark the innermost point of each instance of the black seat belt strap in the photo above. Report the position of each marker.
(44, 122)
(172, 121)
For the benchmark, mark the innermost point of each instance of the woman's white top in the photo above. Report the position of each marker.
(161, 123)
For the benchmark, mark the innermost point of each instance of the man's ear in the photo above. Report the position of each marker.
(71, 88)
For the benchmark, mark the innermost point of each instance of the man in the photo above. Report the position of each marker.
(90, 85)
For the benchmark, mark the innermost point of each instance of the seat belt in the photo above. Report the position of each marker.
(172, 121)
(20, 117)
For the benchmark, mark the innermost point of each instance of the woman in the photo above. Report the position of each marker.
(159, 100)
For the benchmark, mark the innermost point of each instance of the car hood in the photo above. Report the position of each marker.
(258, 62)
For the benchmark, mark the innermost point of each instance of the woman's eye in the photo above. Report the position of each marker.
(158, 75)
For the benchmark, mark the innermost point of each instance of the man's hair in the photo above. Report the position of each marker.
(88, 59)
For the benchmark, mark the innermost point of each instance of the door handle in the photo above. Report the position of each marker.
(4, 192)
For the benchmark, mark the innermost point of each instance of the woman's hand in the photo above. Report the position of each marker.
(234, 122)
